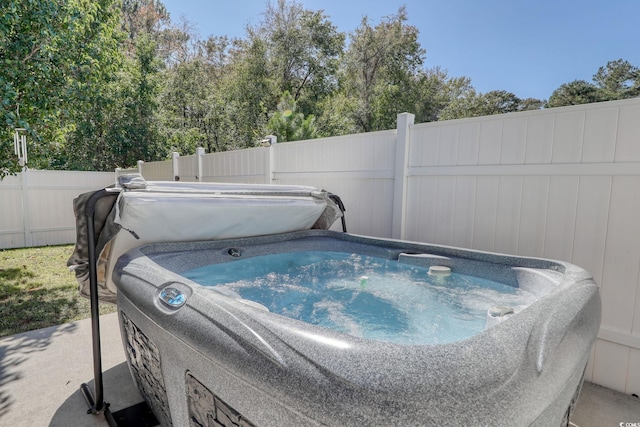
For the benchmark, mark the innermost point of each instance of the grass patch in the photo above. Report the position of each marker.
(37, 290)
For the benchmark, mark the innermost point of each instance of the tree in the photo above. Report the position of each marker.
(529, 104)
(380, 64)
(468, 103)
(189, 109)
(473, 104)
(302, 51)
(337, 115)
(53, 55)
(574, 93)
(142, 17)
(119, 125)
(140, 137)
(183, 102)
(288, 124)
(616, 80)
(433, 92)
(251, 91)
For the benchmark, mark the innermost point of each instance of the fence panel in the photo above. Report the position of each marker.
(359, 168)
(157, 171)
(37, 206)
(559, 183)
(243, 166)
(12, 216)
(188, 168)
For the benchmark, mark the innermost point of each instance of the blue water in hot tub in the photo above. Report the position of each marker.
(364, 296)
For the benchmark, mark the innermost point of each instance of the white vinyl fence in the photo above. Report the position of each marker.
(36, 207)
(561, 183)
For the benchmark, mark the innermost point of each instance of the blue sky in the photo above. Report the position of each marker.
(526, 47)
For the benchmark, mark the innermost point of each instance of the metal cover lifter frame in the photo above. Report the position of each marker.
(138, 415)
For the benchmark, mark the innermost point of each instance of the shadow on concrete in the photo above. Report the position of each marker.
(119, 391)
(18, 349)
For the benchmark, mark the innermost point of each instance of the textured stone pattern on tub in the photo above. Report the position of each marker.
(208, 410)
(144, 359)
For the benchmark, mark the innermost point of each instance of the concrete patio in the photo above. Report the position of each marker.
(41, 371)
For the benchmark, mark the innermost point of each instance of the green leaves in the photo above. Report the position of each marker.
(290, 125)
(54, 53)
(473, 104)
(301, 53)
(616, 80)
(380, 69)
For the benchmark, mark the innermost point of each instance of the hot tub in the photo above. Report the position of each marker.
(226, 353)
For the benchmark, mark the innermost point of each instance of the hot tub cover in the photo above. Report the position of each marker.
(137, 212)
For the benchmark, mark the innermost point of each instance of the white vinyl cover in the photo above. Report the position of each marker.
(169, 217)
(154, 212)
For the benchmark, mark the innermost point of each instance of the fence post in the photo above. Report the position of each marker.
(403, 136)
(174, 166)
(140, 163)
(199, 154)
(269, 141)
